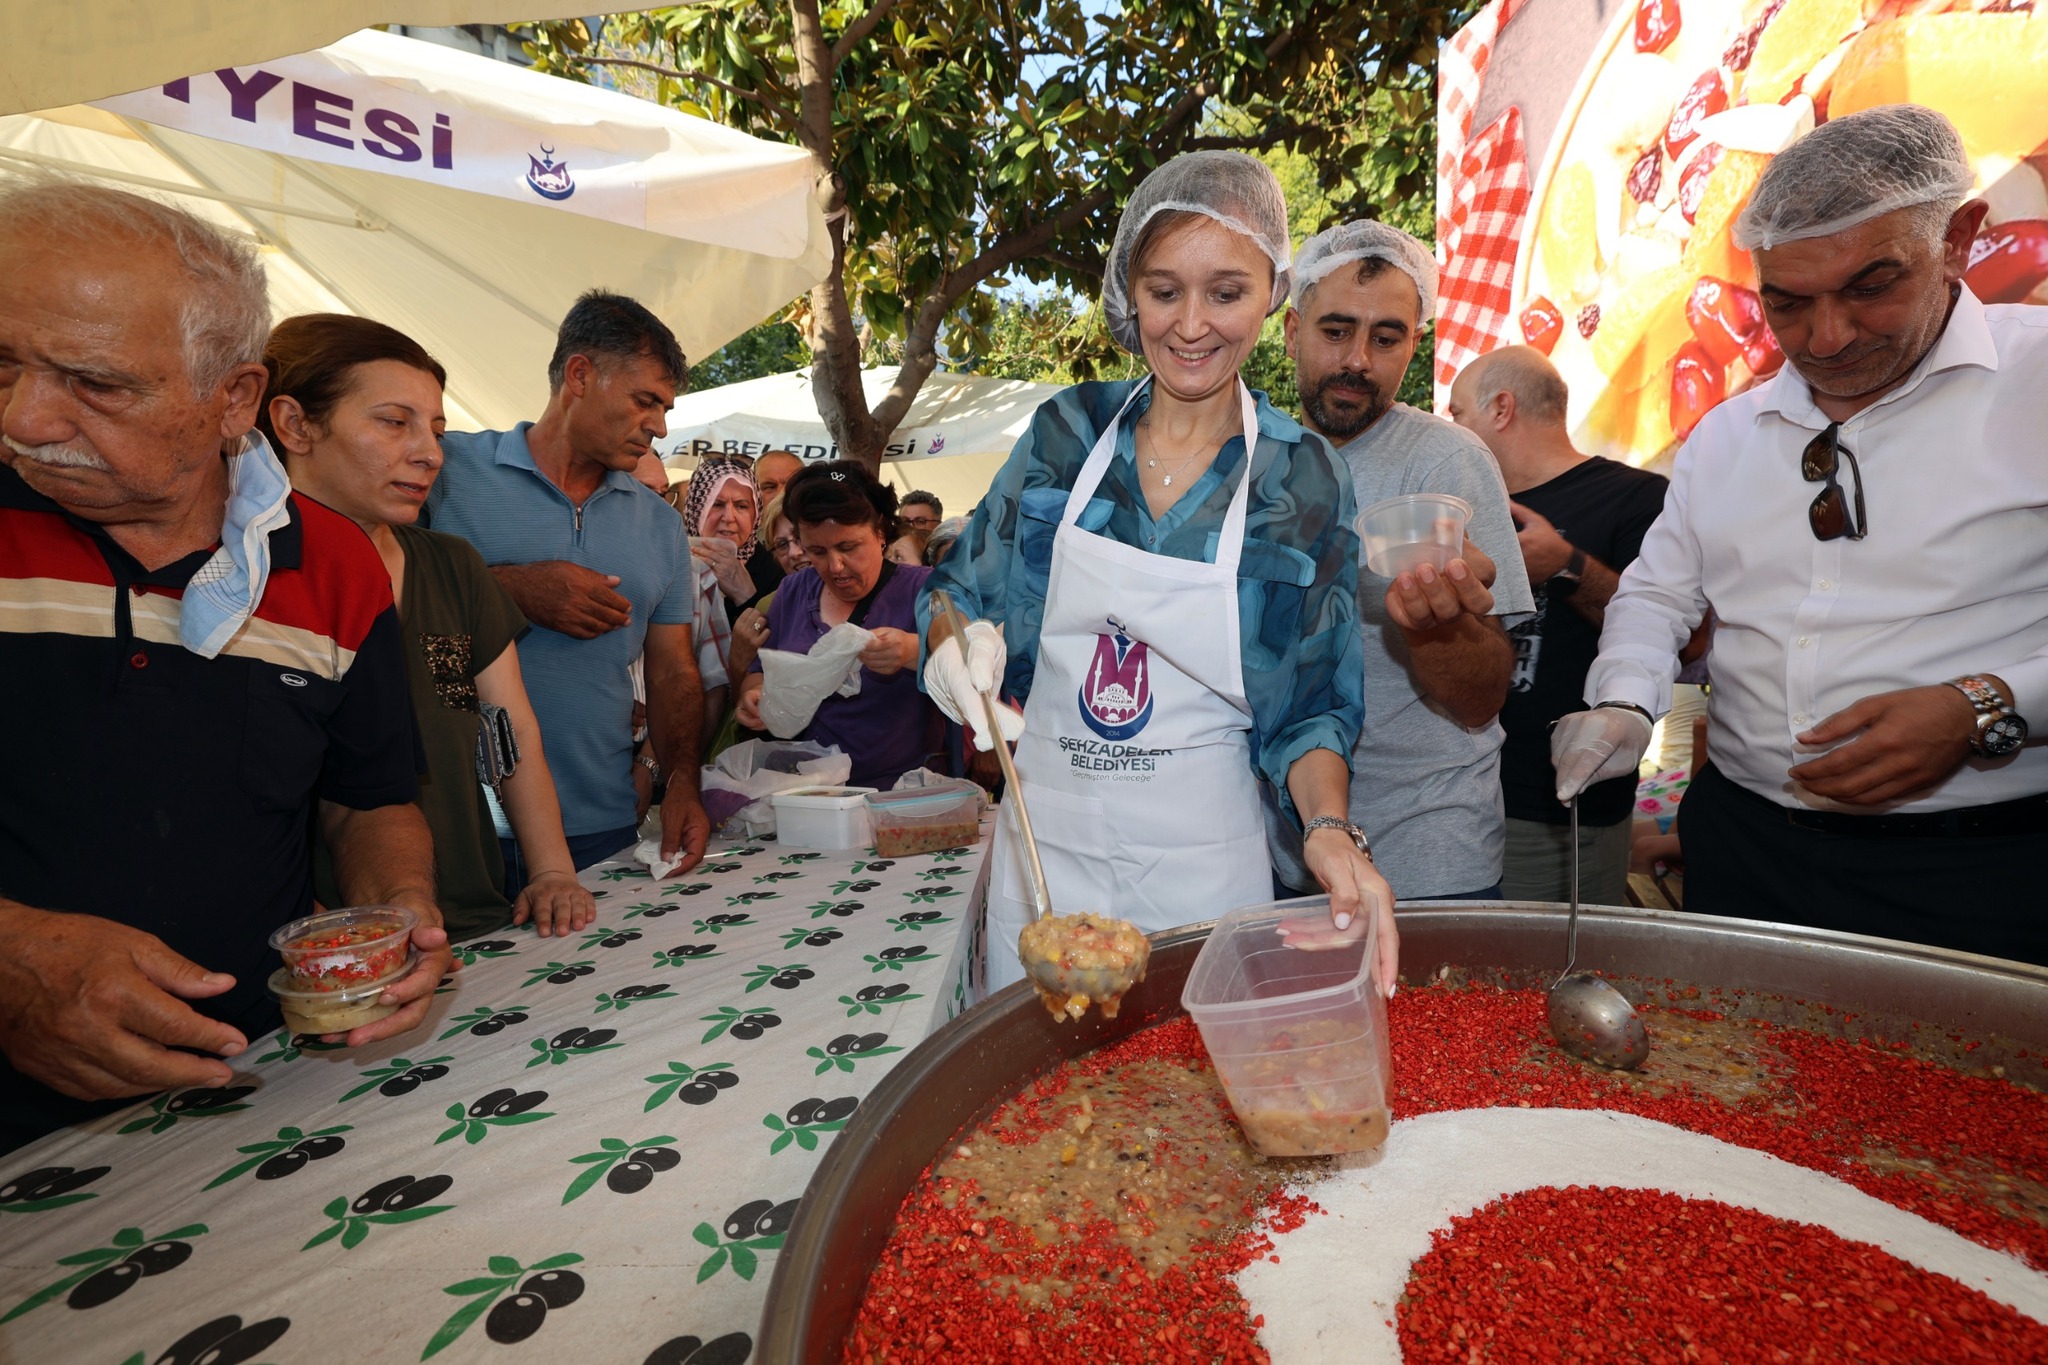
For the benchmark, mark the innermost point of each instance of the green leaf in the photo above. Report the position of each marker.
(481, 1285)
(456, 1131)
(408, 1215)
(460, 1321)
(713, 1263)
(44, 1295)
(336, 1207)
(357, 1230)
(58, 1201)
(582, 1183)
(806, 1139)
(93, 1257)
(743, 1261)
(706, 1234)
(557, 1261)
(476, 1132)
(130, 1237)
(503, 1265)
(663, 1141)
(326, 1234)
(780, 1143)
(534, 1116)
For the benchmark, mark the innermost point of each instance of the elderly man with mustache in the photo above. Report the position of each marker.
(199, 664)
(1437, 659)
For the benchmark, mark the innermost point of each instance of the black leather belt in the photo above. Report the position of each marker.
(2024, 815)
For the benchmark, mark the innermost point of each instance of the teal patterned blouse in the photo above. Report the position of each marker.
(1297, 592)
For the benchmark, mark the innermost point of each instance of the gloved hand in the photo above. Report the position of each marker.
(1592, 746)
(955, 681)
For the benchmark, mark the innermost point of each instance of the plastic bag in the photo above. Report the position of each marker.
(793, 685)
(736, 788)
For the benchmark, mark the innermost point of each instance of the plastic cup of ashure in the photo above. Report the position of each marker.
(338, 1010)
(339, 950)
(1403, 534)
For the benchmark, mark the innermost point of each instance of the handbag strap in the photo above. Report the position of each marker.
(859, 615)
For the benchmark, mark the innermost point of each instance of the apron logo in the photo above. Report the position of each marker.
(1116, 700)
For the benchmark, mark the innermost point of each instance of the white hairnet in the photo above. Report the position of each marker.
(1237, 190)
(1853, 169)
(1366, 240)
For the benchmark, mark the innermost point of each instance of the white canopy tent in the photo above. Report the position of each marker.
(956, 435)
(464, 201)
(64, 52)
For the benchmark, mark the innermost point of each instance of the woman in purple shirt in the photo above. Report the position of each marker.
(843, 516)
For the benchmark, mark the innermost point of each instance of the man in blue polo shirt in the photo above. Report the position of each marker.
(601, 567)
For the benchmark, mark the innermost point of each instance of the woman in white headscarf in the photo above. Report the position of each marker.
(1174, 567)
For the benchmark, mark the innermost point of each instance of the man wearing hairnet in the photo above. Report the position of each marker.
(1437, 661)
(1175, 571)
(1869, 529)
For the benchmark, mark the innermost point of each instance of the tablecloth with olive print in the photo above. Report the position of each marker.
(590, 1153)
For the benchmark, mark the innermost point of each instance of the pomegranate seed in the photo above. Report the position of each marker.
(1693, 183)
(1647, 175)
(1698, 382)
(1762, 354)
(2009, 262)
(1725, 317)
(1736, 58)
(1589, 320)
(1657, 23)
(1704, 98)
(1542, 324)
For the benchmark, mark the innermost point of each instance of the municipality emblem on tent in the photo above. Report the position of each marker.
(548, 177)
(1116, 698)
(938, 444)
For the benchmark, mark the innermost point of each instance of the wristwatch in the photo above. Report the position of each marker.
(1338, 822)
(1999, 728)
(653, 769)
(1565, 581)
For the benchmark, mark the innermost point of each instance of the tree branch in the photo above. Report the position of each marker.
(1272, 137)
(859, 29)
(752, 96)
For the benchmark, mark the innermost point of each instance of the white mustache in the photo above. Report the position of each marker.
(65, 456)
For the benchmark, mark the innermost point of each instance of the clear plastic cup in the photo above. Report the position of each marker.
(335, 1011)
(1403, 534)
(342, 949)
(1298, 1036)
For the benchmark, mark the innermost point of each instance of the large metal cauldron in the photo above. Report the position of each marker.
(958, 1073)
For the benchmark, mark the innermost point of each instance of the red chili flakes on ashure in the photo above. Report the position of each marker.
(1608, 1274)
(1548, 1273)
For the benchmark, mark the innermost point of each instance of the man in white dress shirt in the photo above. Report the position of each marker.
(1871, 529)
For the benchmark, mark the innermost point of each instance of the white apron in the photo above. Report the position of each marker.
(1136, 754)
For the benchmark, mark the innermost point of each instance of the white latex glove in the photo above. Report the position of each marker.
(1592, 746)
(955, 682)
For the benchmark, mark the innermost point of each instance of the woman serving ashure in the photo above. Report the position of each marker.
(1176, 574)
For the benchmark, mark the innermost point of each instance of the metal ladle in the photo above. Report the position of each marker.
(1057, 981)
(1588, 1016)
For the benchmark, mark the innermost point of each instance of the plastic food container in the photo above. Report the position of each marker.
(1299, 1037)
(335, 1011)
(822, 817)
(1403, 534)
(926, 819)
(339, 949)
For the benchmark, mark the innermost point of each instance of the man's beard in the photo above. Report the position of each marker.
(1340, 425)
(63, 456)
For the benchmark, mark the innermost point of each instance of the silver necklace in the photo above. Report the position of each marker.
(1152, 461)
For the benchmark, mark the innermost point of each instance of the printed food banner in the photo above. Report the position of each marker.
(1593, 160)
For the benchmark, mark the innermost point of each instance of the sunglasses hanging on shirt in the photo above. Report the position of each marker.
(1830, 513)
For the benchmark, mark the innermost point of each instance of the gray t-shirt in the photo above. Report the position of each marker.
(1424, 788)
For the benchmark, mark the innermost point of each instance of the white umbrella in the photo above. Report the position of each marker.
(462, 200)
(65, 51)
(955, 437)
(952, 415)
